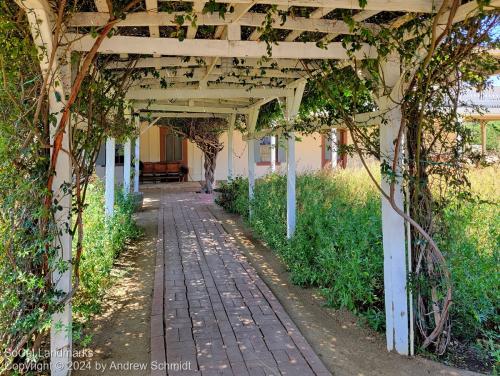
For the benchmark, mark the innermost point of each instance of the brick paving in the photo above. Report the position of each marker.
(210, 308)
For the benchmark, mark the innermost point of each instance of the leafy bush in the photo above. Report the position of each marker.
(328, 250)
(102, 243)
(470, 240)
(338, 244)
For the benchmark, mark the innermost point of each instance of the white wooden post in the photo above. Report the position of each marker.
(333, 147)
(273, 153)
(393, 225)
(230, 150)
(127, 161)
(61, 328)
(290, 188)
(110, 178)
(293, 99)
(291, 175)
(251, 167)
(483, 137)
(40, 18)
(251, 122)
(137, 156)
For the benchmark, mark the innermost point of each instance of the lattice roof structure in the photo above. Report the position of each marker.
(213, 63)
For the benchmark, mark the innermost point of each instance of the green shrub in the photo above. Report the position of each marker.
(471, 243)
(328, 250)
(338, 244)
(102, 243)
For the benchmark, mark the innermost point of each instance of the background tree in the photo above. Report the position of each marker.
(205, 133)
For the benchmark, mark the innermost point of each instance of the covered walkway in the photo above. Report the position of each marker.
(210, 308)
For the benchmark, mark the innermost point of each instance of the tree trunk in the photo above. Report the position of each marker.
(209, 165)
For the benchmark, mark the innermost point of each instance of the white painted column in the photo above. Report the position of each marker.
(137, 155)
(109, 200)
(61, 327)
(127, 162)
(394, 243)
(273, 153)
(137, 172)
(251, 167)
(290, 188)
(41, 25)
(251, 121)
(483, 137)
(393, 225)
(230, 148)
(293, 99)
(333, 148)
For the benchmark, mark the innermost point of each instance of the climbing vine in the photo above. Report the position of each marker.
(438, 60)
(31, 142)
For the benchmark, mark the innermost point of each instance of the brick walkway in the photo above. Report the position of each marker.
(210, 308)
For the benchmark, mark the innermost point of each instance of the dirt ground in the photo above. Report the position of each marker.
(122, 332)
(121, 336)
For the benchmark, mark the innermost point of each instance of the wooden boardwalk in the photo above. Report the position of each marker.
(211, 312)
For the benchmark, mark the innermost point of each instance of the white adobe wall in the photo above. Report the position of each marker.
(308, 157)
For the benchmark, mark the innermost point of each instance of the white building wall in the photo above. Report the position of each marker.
(308, 156)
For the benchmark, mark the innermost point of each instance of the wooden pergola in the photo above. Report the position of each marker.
(489, 102)
(223, 74)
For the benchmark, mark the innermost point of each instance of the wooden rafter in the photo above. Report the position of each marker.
(298, 24)
(424, 6)
(215, 48)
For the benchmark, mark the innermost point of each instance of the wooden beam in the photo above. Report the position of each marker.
(257, 33)
(215, 48)
(197, 9)
(198, 109)
(212, 83)
(164, 94)
(209, 69)
(161, 62)
(298, 24)
(423, 6)
(154, 30)
(186, 115)
(101, 5)
(152, 9)
(204, 73)
(315, 15)
(359, 17)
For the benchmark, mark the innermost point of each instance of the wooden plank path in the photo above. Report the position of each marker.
(211, 310)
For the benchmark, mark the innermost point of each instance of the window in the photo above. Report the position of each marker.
(173, 147)
(263, 151)
(326, 149)
(119, 154)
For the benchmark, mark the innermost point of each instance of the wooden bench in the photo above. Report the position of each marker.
(162, 171)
